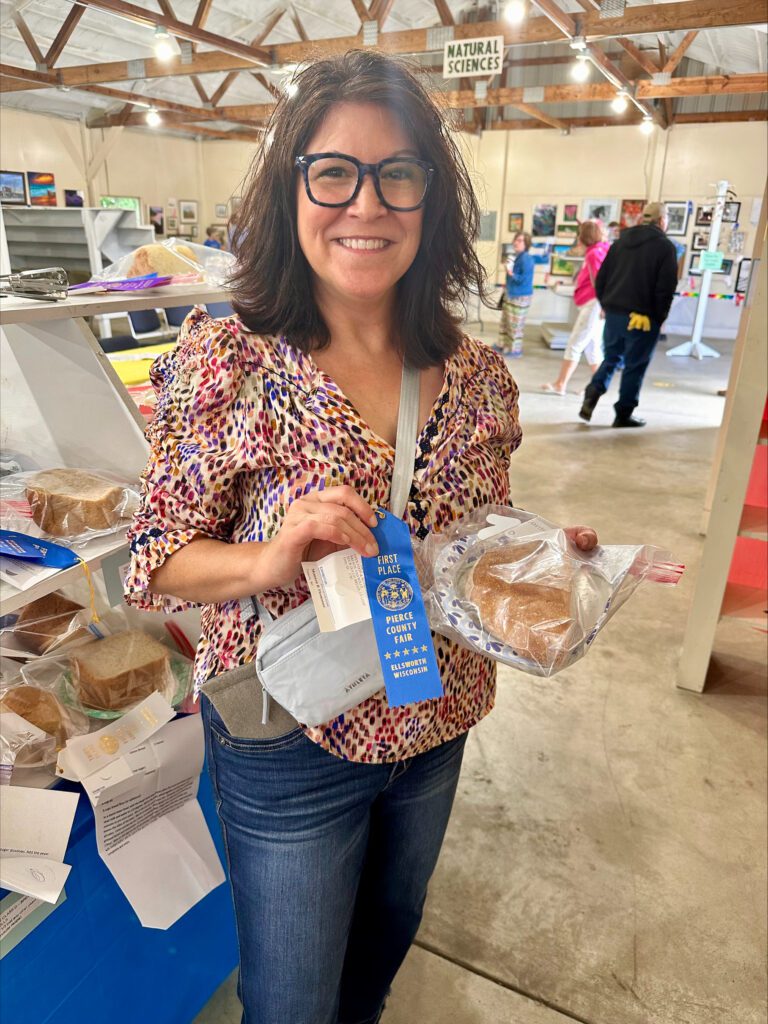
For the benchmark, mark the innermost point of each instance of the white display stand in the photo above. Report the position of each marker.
(63, 404)
(729, 517)
(81, 240)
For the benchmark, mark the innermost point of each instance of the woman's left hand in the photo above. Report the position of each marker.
(584, 537)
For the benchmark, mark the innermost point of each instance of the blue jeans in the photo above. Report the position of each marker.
(329, 862)
(634, 350)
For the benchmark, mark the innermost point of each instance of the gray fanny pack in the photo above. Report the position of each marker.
(317, 676)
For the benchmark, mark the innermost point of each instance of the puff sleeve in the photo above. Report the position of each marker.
(197, 449)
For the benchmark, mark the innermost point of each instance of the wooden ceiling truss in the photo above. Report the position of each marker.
(553, 24)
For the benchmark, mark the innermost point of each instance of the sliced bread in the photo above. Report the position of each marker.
(121, 670)
(67, 502)
(38, 707)
(44, 624)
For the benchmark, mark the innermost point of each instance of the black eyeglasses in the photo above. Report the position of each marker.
(334, 179)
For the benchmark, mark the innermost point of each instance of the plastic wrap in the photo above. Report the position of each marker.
(174, 257)
(33, 695)
(63, 503)
(511, 586)
(49, 624)
(112, 675)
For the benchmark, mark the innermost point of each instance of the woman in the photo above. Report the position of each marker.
(518, 293)
(273, 444)
(587, 333)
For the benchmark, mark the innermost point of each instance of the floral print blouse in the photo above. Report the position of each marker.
(246, 424)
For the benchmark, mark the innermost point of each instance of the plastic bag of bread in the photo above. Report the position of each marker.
(511, 586)
(35, 719)
(112, 675)
(67, 504)
(183, 261)
(49, 624)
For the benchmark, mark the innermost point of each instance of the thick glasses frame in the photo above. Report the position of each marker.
(305, 162)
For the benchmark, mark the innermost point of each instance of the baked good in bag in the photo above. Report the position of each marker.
(38, 707)
(120, 670)
(531, 618)
(44, 623)
(67, 502)
(161, 259)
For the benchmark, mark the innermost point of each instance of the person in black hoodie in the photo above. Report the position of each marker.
(635, 287)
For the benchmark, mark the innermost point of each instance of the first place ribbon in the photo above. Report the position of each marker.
(400, 621)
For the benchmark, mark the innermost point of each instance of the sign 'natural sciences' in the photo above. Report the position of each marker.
(467, 58)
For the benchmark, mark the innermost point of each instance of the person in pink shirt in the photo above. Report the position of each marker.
(587, 334)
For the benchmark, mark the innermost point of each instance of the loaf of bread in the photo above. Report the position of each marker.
(40, 708)
(532, 618)
(45, 623)
(120, 670)
(68, 502)
(161, 259)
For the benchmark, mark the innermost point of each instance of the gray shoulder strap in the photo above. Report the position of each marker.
(407, 432)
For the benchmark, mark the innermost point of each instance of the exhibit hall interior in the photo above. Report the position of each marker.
(383, 512)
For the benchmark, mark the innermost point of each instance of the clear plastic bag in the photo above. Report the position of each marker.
(511, 586)
(33, 694)
(174, 258)
(114, 674)
(49, 624)
(66, 504)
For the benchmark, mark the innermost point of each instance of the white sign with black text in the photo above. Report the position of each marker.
(473, 58)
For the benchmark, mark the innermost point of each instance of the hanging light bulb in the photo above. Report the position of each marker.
(152, 117)
(620, 103)
(646, 126)
(514, 12)
(164, 48)
(580, 70)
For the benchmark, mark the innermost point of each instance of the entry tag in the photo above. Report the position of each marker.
(400, 622)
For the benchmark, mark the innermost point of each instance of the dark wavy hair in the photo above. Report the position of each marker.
(272, 285)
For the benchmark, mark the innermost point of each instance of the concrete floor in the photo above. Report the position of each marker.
(605, 861)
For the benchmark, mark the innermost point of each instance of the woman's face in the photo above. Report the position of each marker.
(359, 252)
(519, 244)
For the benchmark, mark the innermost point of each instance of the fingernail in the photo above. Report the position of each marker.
(373, 521)
(371, 549)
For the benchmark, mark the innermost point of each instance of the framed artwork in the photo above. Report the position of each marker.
(156, 215)
(562, 266)
(727, 268)
(12, 190)
(682, 250)
(571, 212)
(700, 240)
(704, 216)
(74, 197)
(515, 223)
(187, 230)
(742, 279)
(631, 213)
(121, 203)
(42, 188)
(731, 213)
(677, 213)
(188, 211)
(234, 204)
(171, 224)
(599, 209)
(694, 268)
(544, 218)
(540, 251)
(488, 226)
(220, 210)
(568, 231)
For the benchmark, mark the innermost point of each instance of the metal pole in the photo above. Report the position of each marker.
(695, 347)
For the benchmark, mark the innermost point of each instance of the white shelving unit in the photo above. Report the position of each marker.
(64, 405)
(740, 452)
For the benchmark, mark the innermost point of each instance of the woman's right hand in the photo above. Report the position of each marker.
(314, 526)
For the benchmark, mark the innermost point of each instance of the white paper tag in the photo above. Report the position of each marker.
(498, 524)
(38, 877)
(84, 755)
(337, 588)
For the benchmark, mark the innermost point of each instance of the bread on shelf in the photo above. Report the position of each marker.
(44, 624)
(156, 258)
(121, 670)
(69, 502)
(39, 707)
